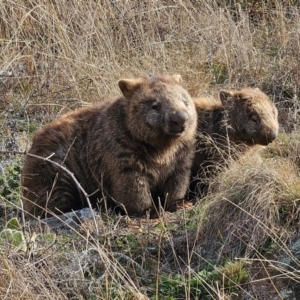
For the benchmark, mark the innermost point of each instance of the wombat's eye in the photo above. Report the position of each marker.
(254, 118)
(186, 103)
(156, 106)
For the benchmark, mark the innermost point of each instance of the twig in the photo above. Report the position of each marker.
(69, 150)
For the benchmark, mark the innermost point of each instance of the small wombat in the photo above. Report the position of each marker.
(227, 128)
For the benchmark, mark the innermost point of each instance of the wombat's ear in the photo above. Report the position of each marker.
(129, 86)
(177, 78)
(225, 96)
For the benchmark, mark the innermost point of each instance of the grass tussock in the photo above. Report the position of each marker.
(251, 213)
(249, 203)
(60, 55)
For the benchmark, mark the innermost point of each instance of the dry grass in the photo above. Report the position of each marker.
(249, 203)
(59, 55)
(23, 280)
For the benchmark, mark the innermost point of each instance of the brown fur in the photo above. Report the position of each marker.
(227, 128)
(130, 151)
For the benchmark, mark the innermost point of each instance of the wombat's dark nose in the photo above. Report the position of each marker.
(178, 120)
(272, 134)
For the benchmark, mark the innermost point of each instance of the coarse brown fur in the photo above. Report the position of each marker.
(227, 128)
(130, 151)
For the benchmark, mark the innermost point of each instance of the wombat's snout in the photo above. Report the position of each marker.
(178, 121)
(272, 134)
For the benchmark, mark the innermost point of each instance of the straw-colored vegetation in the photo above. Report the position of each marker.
(240, 241)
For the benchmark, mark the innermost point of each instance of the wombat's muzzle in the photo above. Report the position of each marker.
(272, 134)
(177, 122)
(268, 137)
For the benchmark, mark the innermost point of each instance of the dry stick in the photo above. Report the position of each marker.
(274, 286)
(69, 150)
(75, 180)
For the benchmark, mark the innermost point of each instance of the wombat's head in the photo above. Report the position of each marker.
(158, 108)
(251, 115)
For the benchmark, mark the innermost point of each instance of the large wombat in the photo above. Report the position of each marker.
(132, 151)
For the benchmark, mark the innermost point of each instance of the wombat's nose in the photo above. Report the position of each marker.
(179, 119)
(272, 134)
